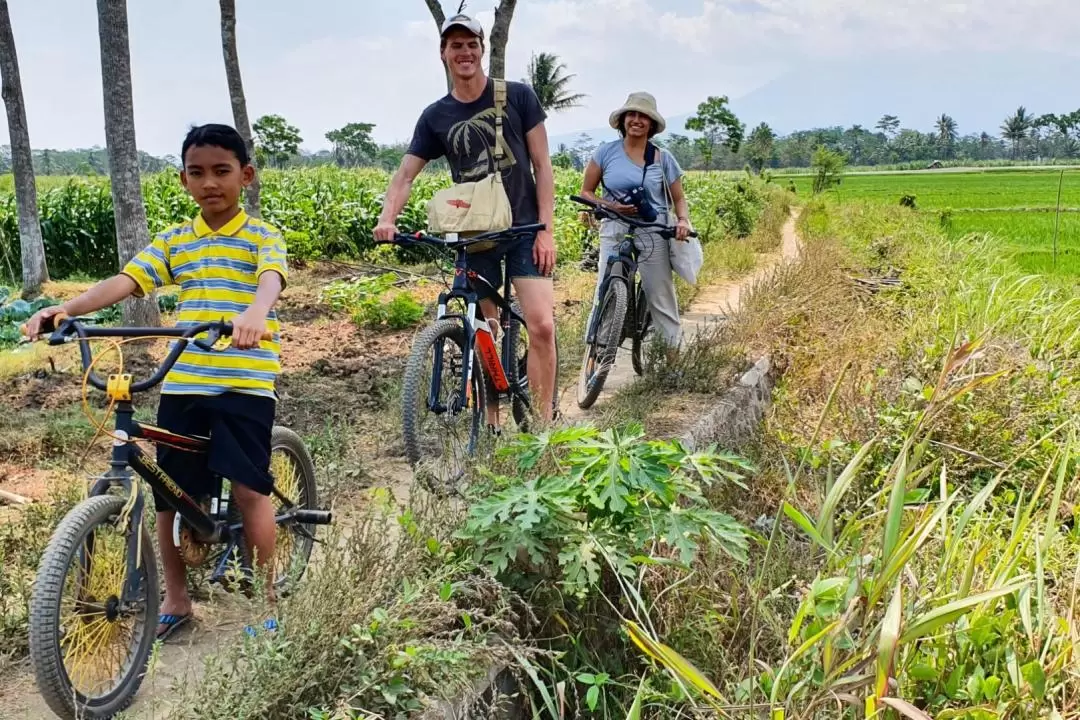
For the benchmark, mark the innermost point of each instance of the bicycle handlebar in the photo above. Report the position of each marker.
(422, 238)
(605, 212)
(66, 328)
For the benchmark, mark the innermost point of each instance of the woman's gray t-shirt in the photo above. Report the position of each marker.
(621, 174)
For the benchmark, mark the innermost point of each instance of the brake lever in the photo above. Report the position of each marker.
(212, 336)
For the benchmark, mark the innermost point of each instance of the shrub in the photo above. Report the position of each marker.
(595, 498)
(373, 302)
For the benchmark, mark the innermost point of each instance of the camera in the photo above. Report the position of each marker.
(640, 201)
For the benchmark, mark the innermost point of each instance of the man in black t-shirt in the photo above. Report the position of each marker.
(461, 127)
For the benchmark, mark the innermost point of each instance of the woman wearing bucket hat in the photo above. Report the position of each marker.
(622, 166)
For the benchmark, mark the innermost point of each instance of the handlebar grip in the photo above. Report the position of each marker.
(49, 324)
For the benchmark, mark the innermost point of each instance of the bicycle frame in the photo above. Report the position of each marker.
(495, 365)
(620, 267)
(127, 456)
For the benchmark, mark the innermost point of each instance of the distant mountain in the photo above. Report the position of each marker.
(977, 89)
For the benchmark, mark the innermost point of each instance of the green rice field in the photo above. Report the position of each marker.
(1016, 207)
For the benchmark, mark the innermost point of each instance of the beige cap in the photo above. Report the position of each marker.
(643, 103)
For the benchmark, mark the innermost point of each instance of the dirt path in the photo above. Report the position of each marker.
(712, 304)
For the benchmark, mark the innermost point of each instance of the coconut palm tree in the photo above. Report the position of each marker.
(1016, 128)
(946, 133)
(34, 269)
(236, 95)
(132, 234)
(548, 80)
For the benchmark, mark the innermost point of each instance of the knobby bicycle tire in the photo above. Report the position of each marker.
(52, 678)
(614, 300)
(641, 326)
(415, 391)
(519, 369)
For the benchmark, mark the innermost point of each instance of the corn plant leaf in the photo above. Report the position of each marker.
(906, 709)
(895, 514)
(799, 518)
(890, 634)
(800, 616)
(950, 612)
(671, 660)
(635, 707)
(839, 488)
(540, 686)
(965, 517)
(895, 564)
(1052, 517)
(799, 652)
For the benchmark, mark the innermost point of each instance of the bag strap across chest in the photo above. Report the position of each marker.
(500, 106)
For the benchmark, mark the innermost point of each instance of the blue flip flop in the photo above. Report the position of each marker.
(172, 623)
(270, 626)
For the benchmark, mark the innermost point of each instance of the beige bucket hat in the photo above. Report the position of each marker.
(643, 103)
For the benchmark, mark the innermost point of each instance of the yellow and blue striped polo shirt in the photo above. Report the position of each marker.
(218, 274)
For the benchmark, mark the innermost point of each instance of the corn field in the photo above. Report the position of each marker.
(324, 213)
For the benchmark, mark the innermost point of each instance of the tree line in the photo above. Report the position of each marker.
(726, 145)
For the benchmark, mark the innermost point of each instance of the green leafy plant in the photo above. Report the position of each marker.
(590, 498)
(14, 313)
(374, 302)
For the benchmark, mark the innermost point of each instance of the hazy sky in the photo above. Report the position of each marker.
(324, 63)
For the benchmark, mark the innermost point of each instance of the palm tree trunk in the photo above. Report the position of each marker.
(236, 95)
(34, 268)
(440, 17)
(500, 36)
(132, 234)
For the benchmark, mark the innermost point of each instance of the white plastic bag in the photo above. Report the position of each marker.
(686, 258)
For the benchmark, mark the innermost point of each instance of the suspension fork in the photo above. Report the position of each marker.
(465, 390)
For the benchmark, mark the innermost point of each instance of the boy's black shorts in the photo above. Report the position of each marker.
(239, 426)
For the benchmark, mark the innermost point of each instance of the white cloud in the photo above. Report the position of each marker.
(680, 50)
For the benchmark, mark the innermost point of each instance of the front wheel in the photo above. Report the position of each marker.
(600, 353)
(88, 648)
(444, 436)
(293, 471)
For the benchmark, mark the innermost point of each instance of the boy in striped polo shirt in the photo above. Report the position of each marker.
(228, 266)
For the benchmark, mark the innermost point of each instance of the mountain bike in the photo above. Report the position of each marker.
(622, 311)
(94, 607)
(463, 344)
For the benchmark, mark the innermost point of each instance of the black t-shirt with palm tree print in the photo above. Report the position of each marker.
(465, 134)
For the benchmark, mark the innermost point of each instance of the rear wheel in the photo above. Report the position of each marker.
(89, 650)
(439, 441)
(642, 325)
(600, 353)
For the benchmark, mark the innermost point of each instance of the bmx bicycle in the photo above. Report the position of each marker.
(622, 311)
(463, 345)
(94, 607)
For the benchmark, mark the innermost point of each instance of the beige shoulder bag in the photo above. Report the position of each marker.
(480, 206)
